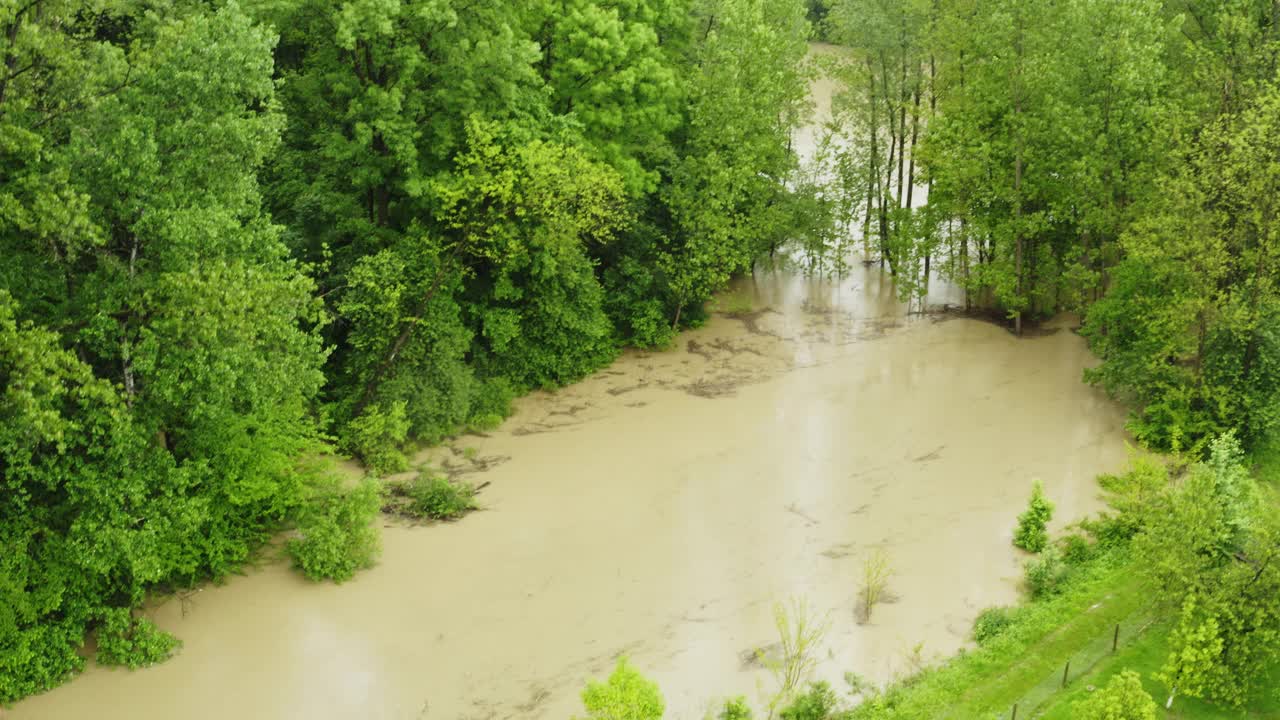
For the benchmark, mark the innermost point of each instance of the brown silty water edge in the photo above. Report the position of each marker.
(658, 509)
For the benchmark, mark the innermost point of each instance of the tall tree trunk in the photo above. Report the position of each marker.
(886, 191)
(915, 133)
(964, 252)
(908, 213)
(873, 173)
(933, 110)
(902, 125)
(126, 346)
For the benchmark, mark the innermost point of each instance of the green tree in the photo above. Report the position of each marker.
(163, 359)
(746, 93)
(1031, 534)
(613, 79)
(1188, 332)
(1122, 699)
(1210, 551)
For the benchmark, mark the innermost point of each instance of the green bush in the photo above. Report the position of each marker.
(439, 499)
(626, 695)
(1046, 574)
(132, 642)
(1131, 495)
(1076, 550)
(1123, 699)
(735, 709)
(337, 532)
(818, 703)
(38, 658)
(377, 436)
(990, 623)
(491, 404)
(1031, 534)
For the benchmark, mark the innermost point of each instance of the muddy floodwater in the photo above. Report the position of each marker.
(659, 509)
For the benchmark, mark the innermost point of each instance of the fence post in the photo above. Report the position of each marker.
(1065, 670)
(1115, 639)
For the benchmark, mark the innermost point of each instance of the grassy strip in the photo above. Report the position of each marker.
(1044, 635)
(1145, 656)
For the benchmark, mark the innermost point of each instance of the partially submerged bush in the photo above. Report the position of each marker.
(337, 532)
(1032, 534)
(875, 584)
(377, 437)
(439, 498)
(132, 642)
(990, 623)
(735, 709)
(1046, 574)
(1076, 550)
(1123, 699)
(626, 695)
(800, 634)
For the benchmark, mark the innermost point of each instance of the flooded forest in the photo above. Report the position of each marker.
(705, 359)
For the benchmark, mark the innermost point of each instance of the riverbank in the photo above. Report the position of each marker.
(1072, 634)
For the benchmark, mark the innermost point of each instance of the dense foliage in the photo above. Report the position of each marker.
(233, 234)
(336, 536)
(1210, 547)
(1116, 158)
(159, 354)
(232, 231)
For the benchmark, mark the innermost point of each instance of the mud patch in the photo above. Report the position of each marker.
(717, 387)
(751, 321)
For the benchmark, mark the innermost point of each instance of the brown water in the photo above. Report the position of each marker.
(659, 509)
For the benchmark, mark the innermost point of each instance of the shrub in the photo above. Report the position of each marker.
(1076, 550)
(1046, 574)
(990, 623)
(1122, 699)
(491, 404)
(800, 633)
(377, 436)
(37, 658)
(1131, 495)
(132, 642)
(626, 695)
(1031, 534)
(338, 535)
(875, 582)
(735, 709)
(817, 703)
(439, 499)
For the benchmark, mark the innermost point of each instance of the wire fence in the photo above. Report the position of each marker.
(1078, 665)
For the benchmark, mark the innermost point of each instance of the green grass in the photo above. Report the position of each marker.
(1025, 664)
(1020, 665)
(1145, 655)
